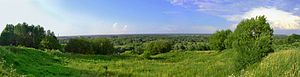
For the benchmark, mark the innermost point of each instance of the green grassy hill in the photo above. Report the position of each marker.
(279, 64)
(36, 63)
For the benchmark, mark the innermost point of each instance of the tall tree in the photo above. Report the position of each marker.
(50, 41)
(8, 36)
(252, 40)
(28, 36)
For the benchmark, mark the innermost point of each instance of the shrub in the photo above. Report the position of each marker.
(293, 38)
(179, 47)
(217, 40)
(50, 41)
(81, 45)
(90, 46)
(102, 46)
(252, 39)
(191, 46)
(147, 54)
(138, 50)
(159, 46)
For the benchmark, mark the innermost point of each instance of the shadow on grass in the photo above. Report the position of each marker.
(34, 63)
(97, 57)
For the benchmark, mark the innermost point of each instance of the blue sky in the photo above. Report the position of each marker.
(86, 17)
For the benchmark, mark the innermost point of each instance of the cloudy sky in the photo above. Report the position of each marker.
(86, 17)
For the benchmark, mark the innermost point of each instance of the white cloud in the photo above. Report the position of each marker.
(119, 29)
(278, 19)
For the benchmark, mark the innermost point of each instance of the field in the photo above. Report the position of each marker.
(36, 63)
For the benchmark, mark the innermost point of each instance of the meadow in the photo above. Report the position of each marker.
(251, 50)
(172, 64)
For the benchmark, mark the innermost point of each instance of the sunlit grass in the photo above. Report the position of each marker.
(280, 64)
(35, 63)
(163, 65)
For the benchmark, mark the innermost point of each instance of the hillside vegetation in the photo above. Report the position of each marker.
(284, 63)
(36, 63)
(249, 50)
(32, 62)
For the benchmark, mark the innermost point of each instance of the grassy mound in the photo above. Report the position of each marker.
(279, 64)
(32, 62)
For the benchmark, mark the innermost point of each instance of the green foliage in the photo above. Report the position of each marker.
(278, 47)
(157, 47)
(50, 41)
(90, 46)
(28, 36)
(102, 46)
(293, 38)
(81, 45)
(252, 40)
(285, 63)
(7, 36)
(191, 46)
(35, 63)
(147, 54)
(217, 40)
(7, 71)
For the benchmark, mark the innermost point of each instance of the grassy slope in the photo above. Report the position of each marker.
(279, 64)
(33, 62)
(183, 64)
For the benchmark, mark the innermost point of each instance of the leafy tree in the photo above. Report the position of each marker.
(293, 38)
(38, 34)
(159, 46)
(90, 46)
(217, 40)
(50, 41)
(81, 45)
(28, 36)
(8, 36)
(252, 39)
(102, 46)
(191, 46)
(179, 47)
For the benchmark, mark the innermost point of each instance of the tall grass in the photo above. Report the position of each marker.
(7, 71)
(178, 64)
(284, 63)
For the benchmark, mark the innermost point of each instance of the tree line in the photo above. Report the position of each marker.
(26, 35)
(252, 36)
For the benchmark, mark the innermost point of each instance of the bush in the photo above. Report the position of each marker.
(138, 50)
(179, 47)
(102, 46)
(217, 40)
(191, 46)
(252, 39)
(90, 46)
(157, 47)
(81, 45)
(293, 38)
(50, 42)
